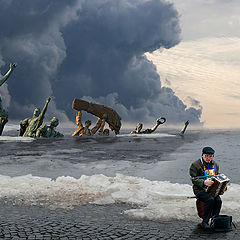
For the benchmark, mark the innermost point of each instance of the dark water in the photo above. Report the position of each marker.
(159, 156)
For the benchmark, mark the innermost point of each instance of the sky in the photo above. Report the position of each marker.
(206, 63)
(140, 57)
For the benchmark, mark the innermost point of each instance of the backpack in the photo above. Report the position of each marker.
(221, 223)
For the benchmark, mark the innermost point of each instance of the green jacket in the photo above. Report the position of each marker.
(196, 170)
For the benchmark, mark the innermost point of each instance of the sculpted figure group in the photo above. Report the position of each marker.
(139, 127)
(85, 130)
(30, 127)
(34, 126)
(49, 131)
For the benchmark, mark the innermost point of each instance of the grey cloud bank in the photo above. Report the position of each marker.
(92, 50)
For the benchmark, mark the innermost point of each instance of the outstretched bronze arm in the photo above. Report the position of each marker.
(160, 120)
(184, 128)
(41, 116)
(6, 76)
(79, 123)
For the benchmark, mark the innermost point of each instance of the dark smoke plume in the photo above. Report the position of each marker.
(93, 50)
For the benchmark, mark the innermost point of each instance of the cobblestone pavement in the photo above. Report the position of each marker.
(94, 222)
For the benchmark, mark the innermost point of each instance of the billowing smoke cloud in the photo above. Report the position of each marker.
(92, 49)
(30, 35)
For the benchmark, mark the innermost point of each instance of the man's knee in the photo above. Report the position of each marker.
(210, 200)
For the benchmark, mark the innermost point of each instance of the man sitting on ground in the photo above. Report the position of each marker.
(205, 166)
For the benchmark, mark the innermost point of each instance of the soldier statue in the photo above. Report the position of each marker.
(139, 127)
(29, 126)
(45, 131)
(85, 130)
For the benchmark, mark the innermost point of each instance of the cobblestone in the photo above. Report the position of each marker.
(94, 222)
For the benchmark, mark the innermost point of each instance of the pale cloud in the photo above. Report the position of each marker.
(206, 70)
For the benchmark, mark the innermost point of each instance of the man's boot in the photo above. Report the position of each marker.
(205, 226)
(205, 221)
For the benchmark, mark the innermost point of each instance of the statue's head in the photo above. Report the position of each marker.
(54, 122)
(106, 132)
(36, 112)
(139, 127)
(88, 123)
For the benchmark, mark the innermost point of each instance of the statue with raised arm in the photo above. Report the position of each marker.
(184, 128)
(3, 113)
(6, 76)
(45, 131)
(139, 127)
(102, 131)
(29, 126)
